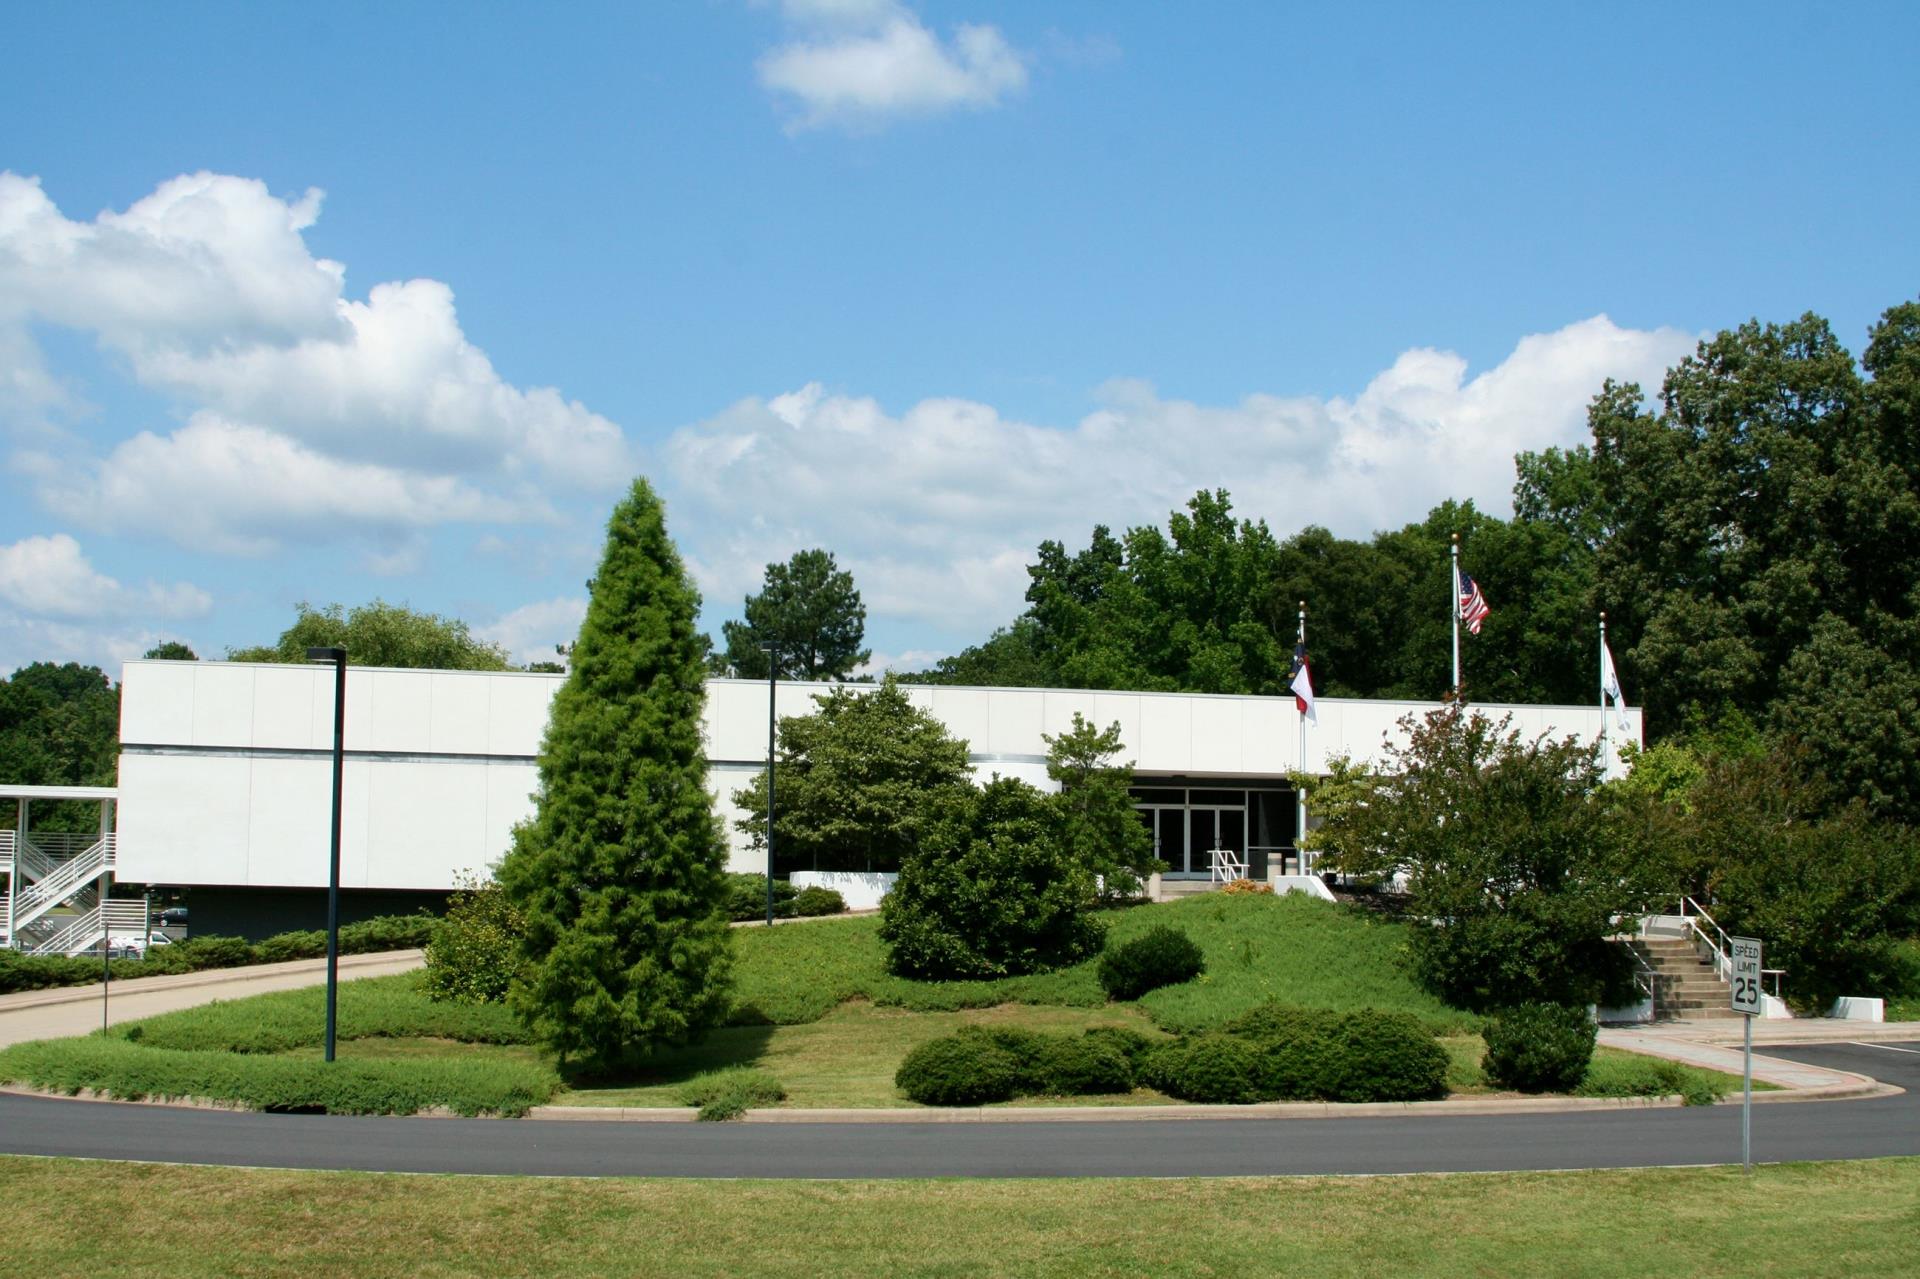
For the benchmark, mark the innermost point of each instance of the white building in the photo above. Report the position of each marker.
(226, 772)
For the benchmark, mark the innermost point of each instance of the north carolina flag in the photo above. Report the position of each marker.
(1300, 680)
(1610, 685)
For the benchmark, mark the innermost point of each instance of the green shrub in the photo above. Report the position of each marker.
(989, 892)
(308, 944)
(198, 953)
(1125, 1040)
(1649, 1077)
(386, 932)
(474, 951)
(1074, 1066)
(1539, 1047)
(1385, 1056)
(728, 1094)
(815, 900)
(747, 897)
(1161, 957)
(1296, 1050)
(41, 972)
(958, 1070)
(1213, 1068)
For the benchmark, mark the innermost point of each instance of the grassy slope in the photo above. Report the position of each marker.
(843, 1022)
(1783, 1221)
(1291, 948)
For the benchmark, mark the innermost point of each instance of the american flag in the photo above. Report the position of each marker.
(1473, 605)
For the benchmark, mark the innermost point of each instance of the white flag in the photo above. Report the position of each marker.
(1610, 685)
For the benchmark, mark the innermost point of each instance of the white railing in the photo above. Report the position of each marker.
(1720, 944)
(71, 874)
(125, 918)
(6, 849)
(1228, 865)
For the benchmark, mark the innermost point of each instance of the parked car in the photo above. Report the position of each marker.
(173, 917)
(158, 939)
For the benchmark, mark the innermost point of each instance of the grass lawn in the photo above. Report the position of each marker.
(1906, 1006)
(815, 1009)
(84, 1218)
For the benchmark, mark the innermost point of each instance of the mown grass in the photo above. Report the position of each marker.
(846, 1058)
(1782, 1222)
(1290, 948)
(816, 1010)
(1904, 1005)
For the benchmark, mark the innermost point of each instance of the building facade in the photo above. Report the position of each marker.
(226, 772)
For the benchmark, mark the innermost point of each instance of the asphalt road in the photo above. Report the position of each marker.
(1169, 1148)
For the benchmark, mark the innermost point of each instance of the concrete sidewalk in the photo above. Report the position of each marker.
(75, 1010)
(1688, 1045)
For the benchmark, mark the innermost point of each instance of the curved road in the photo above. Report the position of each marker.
(1167, 1148)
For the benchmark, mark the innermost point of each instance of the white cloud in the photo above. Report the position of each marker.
(861, 63)
(50, 577)
(228, 487)
(530, 632)
(30, 639)
(913, 659)
(207, 289)
(937, 511)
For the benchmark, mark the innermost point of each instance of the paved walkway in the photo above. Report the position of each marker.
(75, 1010)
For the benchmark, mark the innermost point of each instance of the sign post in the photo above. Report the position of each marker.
(1747, 1001)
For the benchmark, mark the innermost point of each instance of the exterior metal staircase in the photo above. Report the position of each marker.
(52, 903)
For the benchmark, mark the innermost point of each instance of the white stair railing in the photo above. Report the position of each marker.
(67, 880)
(1228, 865)
(115, 919)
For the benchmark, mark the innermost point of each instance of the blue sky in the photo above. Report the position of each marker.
(393, 301)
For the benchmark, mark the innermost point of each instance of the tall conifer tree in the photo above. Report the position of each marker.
(620, 871)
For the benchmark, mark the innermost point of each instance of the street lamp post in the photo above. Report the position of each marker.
(773, 675)
(338, 657)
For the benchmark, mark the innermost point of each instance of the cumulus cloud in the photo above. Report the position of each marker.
(861, 63)
(937, 511)
(307, 411)
(50, 578)
(530, 632)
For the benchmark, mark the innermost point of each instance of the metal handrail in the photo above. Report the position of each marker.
(1646, 980)
(1227, 865)
(1722, 949)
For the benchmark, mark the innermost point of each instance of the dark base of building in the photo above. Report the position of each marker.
(256, 913)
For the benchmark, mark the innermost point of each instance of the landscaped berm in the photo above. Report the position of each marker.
(1290, 986)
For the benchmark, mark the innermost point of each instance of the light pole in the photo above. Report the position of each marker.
(338, 657)
(773, 675)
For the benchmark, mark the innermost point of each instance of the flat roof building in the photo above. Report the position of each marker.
(226, 772)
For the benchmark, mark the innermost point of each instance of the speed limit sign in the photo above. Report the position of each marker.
(1746, 975)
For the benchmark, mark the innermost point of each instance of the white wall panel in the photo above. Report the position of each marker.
(517, 709)
(156, 702)
(183, 820)
(1166, 734)
(222, 705)
(286, 714)
(402, 710)
(462, 714)
(1217, 735)
(290, 821)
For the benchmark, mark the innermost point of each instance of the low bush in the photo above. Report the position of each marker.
(958, 1070)
(386, 932)
(393, 1007)
(309, 944)
(814, 900)
(113, 1067)
(1128, 1042)
(728, 1094)
(747, 898)
(474, 952)
(1160, 957)
(1539, 1047)
(1215, 1068)
(1385, 1056)
(1078, 1066)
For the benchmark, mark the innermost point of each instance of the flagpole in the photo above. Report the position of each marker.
(1453, 608)
(1300, 791)
(1606, 757)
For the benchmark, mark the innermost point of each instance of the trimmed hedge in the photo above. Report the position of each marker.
(1275, 1053)
(1539, 1047)
(133, 1072)
(977, 1065)
(1161, 956)
(41, 972)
